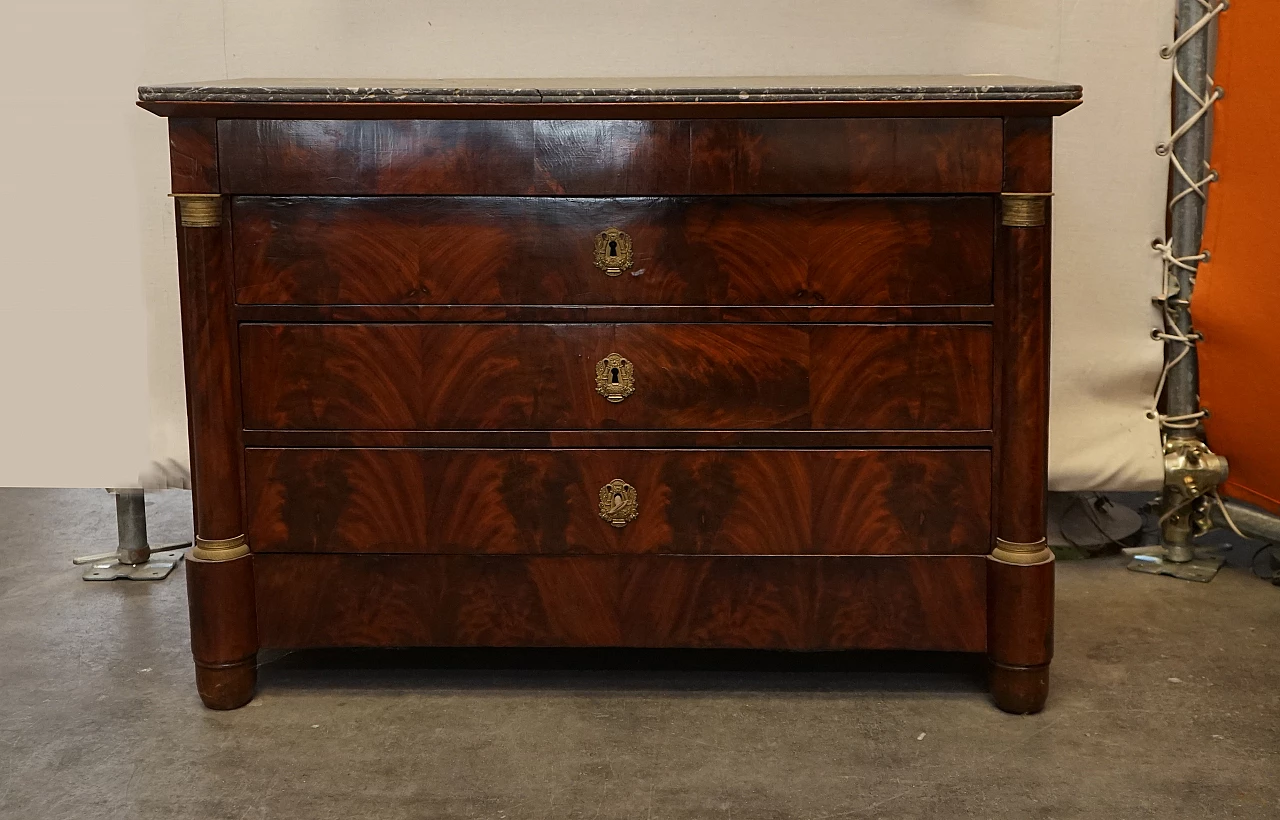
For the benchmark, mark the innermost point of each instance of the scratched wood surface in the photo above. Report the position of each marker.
(626, 439)
(732, 502)
(193, 156)
(659, 157)
(591, 314)
(686, 251)
(859, 602)
(491, 376)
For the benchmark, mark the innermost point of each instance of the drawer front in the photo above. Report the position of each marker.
(622, 600)
(728, 502)
(693, 251)
(611, 157)
(513, 377)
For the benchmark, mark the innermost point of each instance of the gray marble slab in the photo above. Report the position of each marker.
(670, 89)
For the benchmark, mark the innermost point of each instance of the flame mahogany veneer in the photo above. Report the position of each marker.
(836, 409)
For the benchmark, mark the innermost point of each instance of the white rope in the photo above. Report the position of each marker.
(1184, 503)
(1226, 515)
(1170, 292)
(1168, 52)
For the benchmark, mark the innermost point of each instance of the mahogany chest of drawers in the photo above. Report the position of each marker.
(730, 364)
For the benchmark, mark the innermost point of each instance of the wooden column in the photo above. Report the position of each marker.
(1020, 567)
(220, 591)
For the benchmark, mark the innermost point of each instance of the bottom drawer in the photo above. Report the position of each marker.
(815, 602)
(692, 502)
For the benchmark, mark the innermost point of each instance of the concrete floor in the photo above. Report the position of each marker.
(1165, 704)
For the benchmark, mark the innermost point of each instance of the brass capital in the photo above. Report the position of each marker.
(199, 210)
(1015, 552)
(1023, 210)
(220, 549)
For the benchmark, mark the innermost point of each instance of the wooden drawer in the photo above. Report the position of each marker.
(506, 376)
(730, 502)
(667, 157)
(777, 602)
(540, 251)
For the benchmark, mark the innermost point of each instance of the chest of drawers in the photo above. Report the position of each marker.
(731, 364)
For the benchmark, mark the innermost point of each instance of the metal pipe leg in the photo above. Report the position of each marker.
(134, 558)
(1175, 529)
(1191, 469)
(131, 524)
(1186, 215)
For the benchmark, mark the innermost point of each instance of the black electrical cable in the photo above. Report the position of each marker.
(1253, 562)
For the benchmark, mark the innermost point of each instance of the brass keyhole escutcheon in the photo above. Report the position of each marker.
(613, 251)
(615, 378)
(618, 503)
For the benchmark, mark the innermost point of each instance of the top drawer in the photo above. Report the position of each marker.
(611, 157)
(713, 251)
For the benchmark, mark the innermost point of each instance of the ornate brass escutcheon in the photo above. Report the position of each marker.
(613, 251)
(618, 503)
(615, 378)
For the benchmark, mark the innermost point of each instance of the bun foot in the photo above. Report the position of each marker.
(227, 686)
(1019, 690)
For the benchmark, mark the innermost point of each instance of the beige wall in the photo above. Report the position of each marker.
(88, 319)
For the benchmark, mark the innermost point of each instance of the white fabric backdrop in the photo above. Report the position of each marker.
(92, 367)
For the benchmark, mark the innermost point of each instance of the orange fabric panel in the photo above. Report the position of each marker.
(1237, 298)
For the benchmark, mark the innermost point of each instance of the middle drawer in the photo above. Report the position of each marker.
(626, 376)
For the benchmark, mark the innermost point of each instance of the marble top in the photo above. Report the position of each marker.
(963, 87)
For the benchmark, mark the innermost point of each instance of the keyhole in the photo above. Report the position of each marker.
(613, 247)
(615, 376)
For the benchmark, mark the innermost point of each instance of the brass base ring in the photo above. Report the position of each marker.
(1015, 552)
(1023, 210)
(199, 210)
(222, 549)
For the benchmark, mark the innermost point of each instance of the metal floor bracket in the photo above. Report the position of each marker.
(1202, 567)
(156, 568)
(135, 559)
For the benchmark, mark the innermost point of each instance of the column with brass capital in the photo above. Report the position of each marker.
(1020, 565)
(220, 587)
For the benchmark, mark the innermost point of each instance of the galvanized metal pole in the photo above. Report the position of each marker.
(131, 524)
(1187, 223)
(1187, 212)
